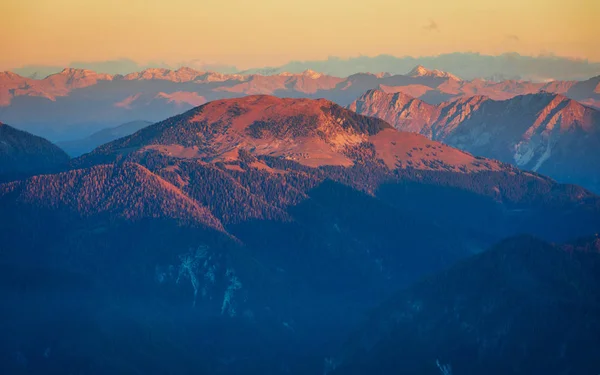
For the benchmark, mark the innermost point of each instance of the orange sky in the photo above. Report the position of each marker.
(251, 33)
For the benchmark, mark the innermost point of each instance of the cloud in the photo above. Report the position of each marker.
(512, 37)
(118, 66)
(432, 26)
(37, 71)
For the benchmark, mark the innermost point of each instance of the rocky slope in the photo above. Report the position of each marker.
(547, 133)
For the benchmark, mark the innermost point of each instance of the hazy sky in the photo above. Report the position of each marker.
(250, 33)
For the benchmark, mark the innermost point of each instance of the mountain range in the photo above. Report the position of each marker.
(466, 65)
(547, 133)
(250, 235)
(74, 103)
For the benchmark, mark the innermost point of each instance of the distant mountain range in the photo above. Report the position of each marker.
(87, 144)
(75, 103)
(270, 225)
(23, 154)
(466, 65)
(544, 132)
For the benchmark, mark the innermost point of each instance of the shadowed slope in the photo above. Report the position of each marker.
(23, 154)
(523, 307)
(127, 191)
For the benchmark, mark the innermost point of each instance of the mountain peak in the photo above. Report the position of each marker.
(183, 74)
(421, 71)
(76, 72)
(307, 73)
(312, 74)
(186, 69)
(545, 99)
(10, 75)
(418, 71)
(311, 132)
(156, 70)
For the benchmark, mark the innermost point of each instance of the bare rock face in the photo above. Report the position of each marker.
(544, 132)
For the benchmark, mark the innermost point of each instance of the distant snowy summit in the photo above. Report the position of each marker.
(421, 71)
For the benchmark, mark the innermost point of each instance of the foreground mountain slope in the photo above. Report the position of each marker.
(523, 307)
(547, 133)
(123, 191)
(324, 214)
(23, 154)
(304, 141)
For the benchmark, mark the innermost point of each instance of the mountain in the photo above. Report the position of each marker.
(248, 235)
(23, 154)
(467, 65)
(307, 82)
(270, 135)
(82, 146)
(522, 307)
(404, 112)
(544, 132)
(421, 71)
(75, 103)
(263, 159)
(53, 86)
(587, 92)
(117, 190)
(183, 74)
(312, 132)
